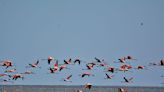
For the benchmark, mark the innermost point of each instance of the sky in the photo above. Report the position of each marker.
(107, 29)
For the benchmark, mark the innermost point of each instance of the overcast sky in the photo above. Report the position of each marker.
(107, 29)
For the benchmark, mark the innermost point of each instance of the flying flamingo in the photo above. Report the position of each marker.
(28, 72)
(10, 71)
(78, 61)
(121, 60)
(128, 80)
(68, 79)
(49, 59)
(55, 68)
(98, 60)
(89, 66)
(86, 74)
(34, 65)
(67, 62)
(63, 67)
(140, 67)
(2, 75)
(125, 67)
(130, 58)
(111, 69)
(16, 76)
(7, 63)
(108, 76)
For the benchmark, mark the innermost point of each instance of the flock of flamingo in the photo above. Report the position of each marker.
(10, 75)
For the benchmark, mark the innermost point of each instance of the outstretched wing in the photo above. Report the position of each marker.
(98, 60)
(37, 62)
(107, 75)
(69, 76)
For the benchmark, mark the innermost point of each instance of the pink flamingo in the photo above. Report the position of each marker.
(10, 71)
(68, 62)
(55, 68)
(34, 65)
(88, 85)
(2, 75)
(16, 76)
(77, 61)
(111, 69)
(7, 63)
(86, 74)
(122, 90)
(28, 72)
(49, 59)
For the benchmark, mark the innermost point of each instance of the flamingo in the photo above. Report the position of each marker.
(128, 80)
(140, 67)
(7, 63)
(108, 76)
(98, 60)
(68, 78)
(28, 72)
(78, 61)
(67, 62)
(121, 60)
(130, 58)
(86, 74)
(34, 65)
(89, 66)
(79, 90)
(10, 71)
(51, 70)
(125, 67)
(122, 90)
(88, 85)
(111, 69)
(63, 67)
(162, 62)
(103, 64)
(49, 59)
(2, 75)
(16, 76)
(55, 68)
